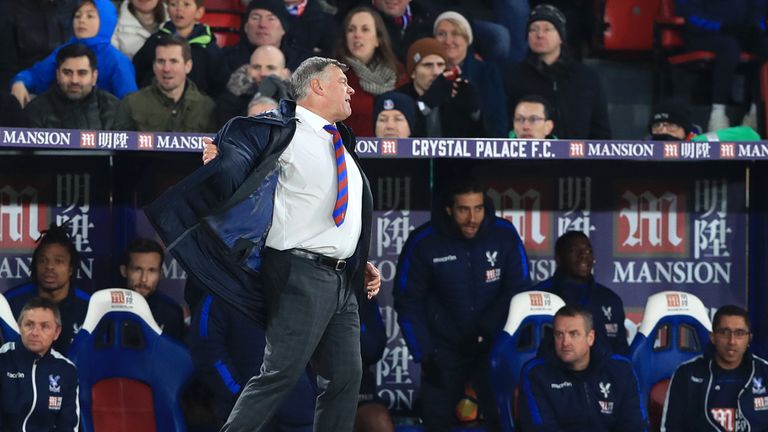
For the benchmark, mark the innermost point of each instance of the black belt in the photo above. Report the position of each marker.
(336, 264)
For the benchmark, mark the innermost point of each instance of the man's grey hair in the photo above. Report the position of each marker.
(259, 100)
(41, 303)
(308, 70)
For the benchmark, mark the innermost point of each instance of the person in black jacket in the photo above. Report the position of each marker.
(574, 89)
(142, 269)
(38, 385)
(574, 283)
(579, 387)
(455, 278)
(75, 102)
(210, 71)
(725, 388)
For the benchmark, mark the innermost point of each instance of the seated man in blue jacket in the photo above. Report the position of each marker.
(574, 283)
(727, 384)
(455, 278)
(38, 386)
(579, 388)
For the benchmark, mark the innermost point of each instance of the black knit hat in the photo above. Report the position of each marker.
(546, 12)
(277, 7)
(672, 112)
(393, 100)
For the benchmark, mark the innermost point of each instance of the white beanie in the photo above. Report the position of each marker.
(459, 18)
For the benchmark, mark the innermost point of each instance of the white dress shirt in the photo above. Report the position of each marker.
(306, 194)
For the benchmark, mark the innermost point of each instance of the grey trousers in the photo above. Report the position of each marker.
(312, 318)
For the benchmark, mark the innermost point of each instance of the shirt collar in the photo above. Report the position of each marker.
(312, 120)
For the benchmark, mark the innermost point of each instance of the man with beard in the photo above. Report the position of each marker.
(55, 262)
(142, 269)
(455, 278)
(75, 102)
(574, 283)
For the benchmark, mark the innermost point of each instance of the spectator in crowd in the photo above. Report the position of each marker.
(455, 33)
(38, 385)
(228, 349)
(136, 22)
(260, 104)
(265, 22)
(372, 412)
(579, 106)
(448, 103)
(75, 102)
(532, 119)
(30, 30)
(312, 27)
(142, 269)
(373, 67)
(405, 22)
(455, 278)
(11, 114)
(93, 23)
(726, 384)
(265, 75)
(574, 283)
(671, 121)
(172, 103)
(727, 27)
(394, 115)
(578, 387)
(55, 262)
(581, 18)
(209, 72)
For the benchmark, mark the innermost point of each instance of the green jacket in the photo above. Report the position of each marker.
(150, 110)
(736, 133)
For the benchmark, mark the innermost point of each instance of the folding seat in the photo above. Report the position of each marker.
(9, 330)
(529, 320)
(225, 26)
(675, 328)
(131, 375)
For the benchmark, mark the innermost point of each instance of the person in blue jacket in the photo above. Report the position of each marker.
(725, 388)
(455, 278)
(228, 348)
(574, 283)
(93, 24)
(55, 262)
(578, 387)
(38, 385)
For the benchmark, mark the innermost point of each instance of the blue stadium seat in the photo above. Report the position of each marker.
(130, 374)
(530, 313)
(675, 328)
(9, 330)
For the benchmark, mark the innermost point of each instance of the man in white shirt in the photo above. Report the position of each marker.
(283, 198)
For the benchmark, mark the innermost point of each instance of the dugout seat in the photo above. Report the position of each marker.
(675, 328)
(529, 320)
(9, 330)
(130, 374)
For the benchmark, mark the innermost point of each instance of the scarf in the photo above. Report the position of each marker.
(375, 78)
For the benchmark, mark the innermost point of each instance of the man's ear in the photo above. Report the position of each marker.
(449, 210)
(317, 87)
(548, 126)
(591, 337)
(123, 270)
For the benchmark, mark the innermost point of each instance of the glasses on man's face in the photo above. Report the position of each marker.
(530, 119)
(726, 333)
(658, 126)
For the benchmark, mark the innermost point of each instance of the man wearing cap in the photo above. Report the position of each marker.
(455, 278)
(394, 115)
(579, 106)
(265, 22)
(671, 121)
(447, 103)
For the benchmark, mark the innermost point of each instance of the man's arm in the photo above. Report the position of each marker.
(673, 416)
(69, 416)
(534, 409)
(410, 294)
(633, 416)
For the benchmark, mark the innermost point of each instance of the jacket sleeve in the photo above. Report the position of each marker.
(69, 416)
(124, 118)
(633, 416)
(516, 278)
(123, 80)
(673, 416)
(39, 77)
(600, 125)
(410, 293)
(535, 411)
(209, 351)
(619, 344)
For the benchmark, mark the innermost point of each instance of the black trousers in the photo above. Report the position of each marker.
(312, 318)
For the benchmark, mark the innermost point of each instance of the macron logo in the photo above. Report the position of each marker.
(15, 375)
(444, 259)
(561, 385)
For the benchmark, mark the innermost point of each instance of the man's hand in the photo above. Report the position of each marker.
(210, 151)
(372, 280)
